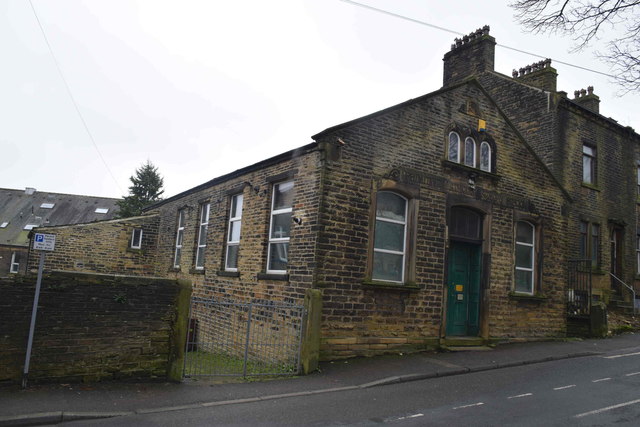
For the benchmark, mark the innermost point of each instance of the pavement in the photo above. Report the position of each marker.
(55, 403)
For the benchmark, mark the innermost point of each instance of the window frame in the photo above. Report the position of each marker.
(590, 242)
(482, 166)
(14, 266)
(533, 247)
(595, 240)
(473, 150)
(403, 253)
(458, 147)
(132, 243)
(273, 241)
(638, 253)
(592, 159)
(475, 141)
(177, 254)
(203, 229)
(231, 222)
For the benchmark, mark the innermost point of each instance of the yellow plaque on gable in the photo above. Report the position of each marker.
(482, 125)
(459, 288)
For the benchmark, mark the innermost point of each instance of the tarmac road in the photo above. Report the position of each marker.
(354, 391)
(595, 390)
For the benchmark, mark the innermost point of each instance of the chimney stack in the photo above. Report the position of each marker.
(469, 56)
(539, 74)
(587, 99)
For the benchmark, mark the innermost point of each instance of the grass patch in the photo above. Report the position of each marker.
(199, 363)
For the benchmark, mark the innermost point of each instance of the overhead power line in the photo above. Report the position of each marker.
(73, 100)
(458, 33)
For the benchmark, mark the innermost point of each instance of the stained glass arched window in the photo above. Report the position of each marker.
(454, 147)
(485, 156)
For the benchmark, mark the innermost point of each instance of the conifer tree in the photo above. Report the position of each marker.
(146, 189)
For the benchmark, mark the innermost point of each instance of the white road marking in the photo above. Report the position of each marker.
(468, 406)
(621, 355)
(632, 374)
(608, 408)
(563, 387)
(601, 379)
(520, 395)
(408, 417)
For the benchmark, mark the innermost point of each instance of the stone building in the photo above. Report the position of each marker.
(23, 210)
(457, 214)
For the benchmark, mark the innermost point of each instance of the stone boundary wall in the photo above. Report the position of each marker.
(93, 327)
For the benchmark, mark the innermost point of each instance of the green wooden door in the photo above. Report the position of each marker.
(463, 305)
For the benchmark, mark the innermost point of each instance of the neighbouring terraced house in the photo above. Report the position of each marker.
(23, 210)
(471, 211)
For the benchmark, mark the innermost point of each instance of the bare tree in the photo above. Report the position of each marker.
(615, 22)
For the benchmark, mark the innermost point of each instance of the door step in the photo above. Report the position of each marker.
(469, 348)
(463, 342)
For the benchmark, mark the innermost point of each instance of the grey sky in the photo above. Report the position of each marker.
(202, 88)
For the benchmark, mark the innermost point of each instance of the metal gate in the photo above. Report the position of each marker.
(579, 287)
(228, 338)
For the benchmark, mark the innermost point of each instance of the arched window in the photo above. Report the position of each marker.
(525, 257)
(454, 147)
(469, 152)
(466, 150)
(485, 156)
(389, 247)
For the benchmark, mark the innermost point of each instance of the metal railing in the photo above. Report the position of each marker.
(629, 288)
(579, 287)
(254, 338)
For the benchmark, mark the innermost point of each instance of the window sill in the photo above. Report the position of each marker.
(135, 250)
(591, 186)
(196, 271)
(518, 296)
(272, 276)
(406, 286)
(448, 164)
(174, 269)
(224, 273)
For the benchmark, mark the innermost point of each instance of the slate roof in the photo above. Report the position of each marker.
(19, 208)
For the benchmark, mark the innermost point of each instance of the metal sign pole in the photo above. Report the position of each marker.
(34, 312)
